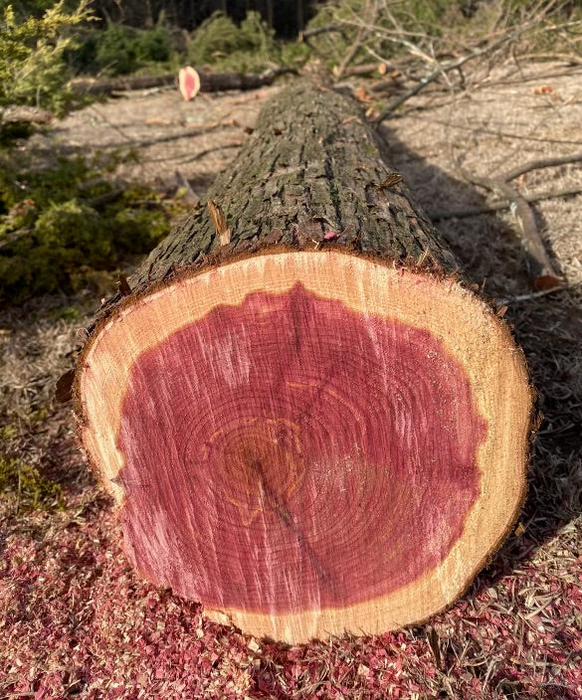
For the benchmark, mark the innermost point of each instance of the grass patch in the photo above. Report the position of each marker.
(62, 225)
(26, 487)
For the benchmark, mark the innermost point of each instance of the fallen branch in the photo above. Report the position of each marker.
(539, 164)
(536, 295)
(386, 84)
(445, 215)
(210, 82)
(307, 34)
(442, 70)
(196, 156)
(569, 58)
(32, 116)
(543, 266)
(368, 69)
(482, 129)
(536, 77)
(363, 32)
(186, 133)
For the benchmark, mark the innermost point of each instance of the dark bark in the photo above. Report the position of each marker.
(311, 173)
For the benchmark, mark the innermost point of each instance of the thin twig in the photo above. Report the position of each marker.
(13, 236)
(539, 164)
(444, 68)
(537, 295)
(196, 156)
(307, 34)
(478, 129)
(500, 206)
(363, 32)
(190, 196)
(569, 58)
(187, 133)
(535, 77)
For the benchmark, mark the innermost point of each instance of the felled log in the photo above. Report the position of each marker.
(308, 421)
(209, 82)
(24, 114)
(20, 121)
(367, 69)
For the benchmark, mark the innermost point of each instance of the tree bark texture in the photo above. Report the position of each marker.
(311, 174)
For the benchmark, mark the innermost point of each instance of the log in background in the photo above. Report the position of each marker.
(312, 167)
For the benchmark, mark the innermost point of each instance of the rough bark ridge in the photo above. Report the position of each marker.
(312, 169)
(209, 82)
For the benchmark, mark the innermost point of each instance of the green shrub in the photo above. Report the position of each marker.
(215, 38)
(61, 225)
(219, 42)
(154, 45)
(116, 50)
(294, 54)
(32, 66)
(121, 50)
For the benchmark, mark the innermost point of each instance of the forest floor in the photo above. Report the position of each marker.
(75, 621)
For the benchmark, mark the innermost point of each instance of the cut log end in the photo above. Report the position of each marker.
(309, 442)
(188, 83)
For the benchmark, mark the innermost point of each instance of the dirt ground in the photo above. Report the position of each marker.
(75, 621)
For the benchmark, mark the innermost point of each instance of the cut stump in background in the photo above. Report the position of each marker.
(188, 83)
(322, 430)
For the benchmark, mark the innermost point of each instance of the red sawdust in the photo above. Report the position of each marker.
(76, 622)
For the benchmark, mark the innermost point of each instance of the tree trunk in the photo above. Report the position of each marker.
(270, 12)
(300, 16)
(309, 423)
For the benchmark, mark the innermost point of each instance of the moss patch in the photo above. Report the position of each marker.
(60, 224)
(25, 485)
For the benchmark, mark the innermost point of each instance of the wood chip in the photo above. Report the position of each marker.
(219, 222)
